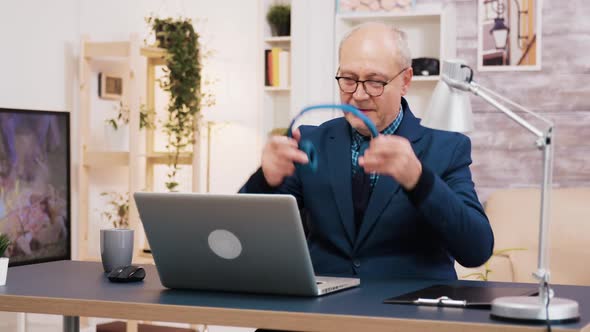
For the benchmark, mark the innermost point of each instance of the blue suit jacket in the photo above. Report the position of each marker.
(400, 236)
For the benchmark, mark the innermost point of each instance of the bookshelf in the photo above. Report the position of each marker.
(430, 29)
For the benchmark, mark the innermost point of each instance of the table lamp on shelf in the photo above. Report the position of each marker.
(450, 109)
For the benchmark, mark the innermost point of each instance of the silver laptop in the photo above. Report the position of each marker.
(239, 242)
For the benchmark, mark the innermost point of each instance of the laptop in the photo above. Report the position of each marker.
(239, 242)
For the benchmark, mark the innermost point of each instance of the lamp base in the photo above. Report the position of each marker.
(532, 308)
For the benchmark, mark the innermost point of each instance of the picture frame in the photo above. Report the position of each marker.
(365, 6)
(110, 86)
(509, 35)
(38, 218)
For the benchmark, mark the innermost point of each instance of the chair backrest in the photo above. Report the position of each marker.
(514, 216)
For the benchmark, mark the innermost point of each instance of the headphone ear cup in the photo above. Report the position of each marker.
(307, 147)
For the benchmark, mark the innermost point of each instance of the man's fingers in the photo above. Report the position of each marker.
(293, 154)
(279, 142)
(296, 155)
(372, 163)
(296, 134)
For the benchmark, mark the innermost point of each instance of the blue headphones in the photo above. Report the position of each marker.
(307, 147)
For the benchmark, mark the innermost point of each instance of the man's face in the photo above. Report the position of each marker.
(370, 54)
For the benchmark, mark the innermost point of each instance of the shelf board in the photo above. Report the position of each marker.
(154, 54)
(186, 158)
(105, 158)
(278, 40)
(277, 89)
(427, 11)
(417, 78)
(121, 158)
(106, 49)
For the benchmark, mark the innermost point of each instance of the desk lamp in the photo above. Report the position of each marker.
(450, 109)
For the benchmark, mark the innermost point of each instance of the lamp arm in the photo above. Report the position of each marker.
(544, 143)
(478, 91)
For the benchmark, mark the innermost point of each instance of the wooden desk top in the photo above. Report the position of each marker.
(74, 288)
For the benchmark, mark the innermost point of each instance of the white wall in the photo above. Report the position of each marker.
(38, 39)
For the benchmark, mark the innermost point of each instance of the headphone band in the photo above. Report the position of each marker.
(346, 108)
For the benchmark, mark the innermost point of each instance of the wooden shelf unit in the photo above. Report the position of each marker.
(138, 155)
(126, 52)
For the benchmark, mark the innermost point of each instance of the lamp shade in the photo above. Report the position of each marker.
(449, 109)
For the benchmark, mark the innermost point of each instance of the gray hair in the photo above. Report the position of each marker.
(399, 37)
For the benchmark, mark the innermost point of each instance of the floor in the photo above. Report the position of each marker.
(11, 322)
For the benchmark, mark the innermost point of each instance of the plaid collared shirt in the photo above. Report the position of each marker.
(358, 139)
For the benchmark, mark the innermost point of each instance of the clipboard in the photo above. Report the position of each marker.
(460, 296)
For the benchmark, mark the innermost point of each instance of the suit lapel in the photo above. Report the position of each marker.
(339, 161)
(386, 187)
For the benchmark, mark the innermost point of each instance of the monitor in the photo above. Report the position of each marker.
(35, 192)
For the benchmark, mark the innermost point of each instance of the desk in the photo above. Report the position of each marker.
(72, 288)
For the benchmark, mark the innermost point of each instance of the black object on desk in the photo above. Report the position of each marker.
(459, 296)
(129, 273)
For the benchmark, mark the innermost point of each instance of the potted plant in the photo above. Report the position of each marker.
(279, 19)
(116, 129)
(116, 244)
(484, 276)
(117, 212)
(4, 243)
(146, 117)
(182, 79)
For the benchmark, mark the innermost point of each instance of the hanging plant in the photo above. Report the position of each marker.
(182, 79)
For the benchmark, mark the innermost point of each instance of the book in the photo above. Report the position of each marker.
(284, 72)
(460, 295)
(275, 51)
(267, 68)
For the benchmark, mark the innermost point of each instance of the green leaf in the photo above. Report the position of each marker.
(4, 243)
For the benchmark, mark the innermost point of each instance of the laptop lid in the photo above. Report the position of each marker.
(237, 242)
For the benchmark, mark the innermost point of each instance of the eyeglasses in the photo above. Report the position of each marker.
(372, 87)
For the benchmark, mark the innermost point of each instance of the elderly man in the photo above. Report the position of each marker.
(405, 206)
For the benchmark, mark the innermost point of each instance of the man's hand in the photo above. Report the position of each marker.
(279, 156)
(392, 155)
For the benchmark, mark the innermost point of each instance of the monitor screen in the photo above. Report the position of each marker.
(35, 185)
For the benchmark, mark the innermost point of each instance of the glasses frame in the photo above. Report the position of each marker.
(383, 83)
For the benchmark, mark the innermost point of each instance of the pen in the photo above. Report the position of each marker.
(441, 301)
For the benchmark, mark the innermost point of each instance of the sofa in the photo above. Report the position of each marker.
(514, 216)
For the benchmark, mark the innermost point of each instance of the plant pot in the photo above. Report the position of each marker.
(280, 30)
(3, 270)
(116, 248)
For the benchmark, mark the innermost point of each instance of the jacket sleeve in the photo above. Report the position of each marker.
(449, 203)
(257, 184)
